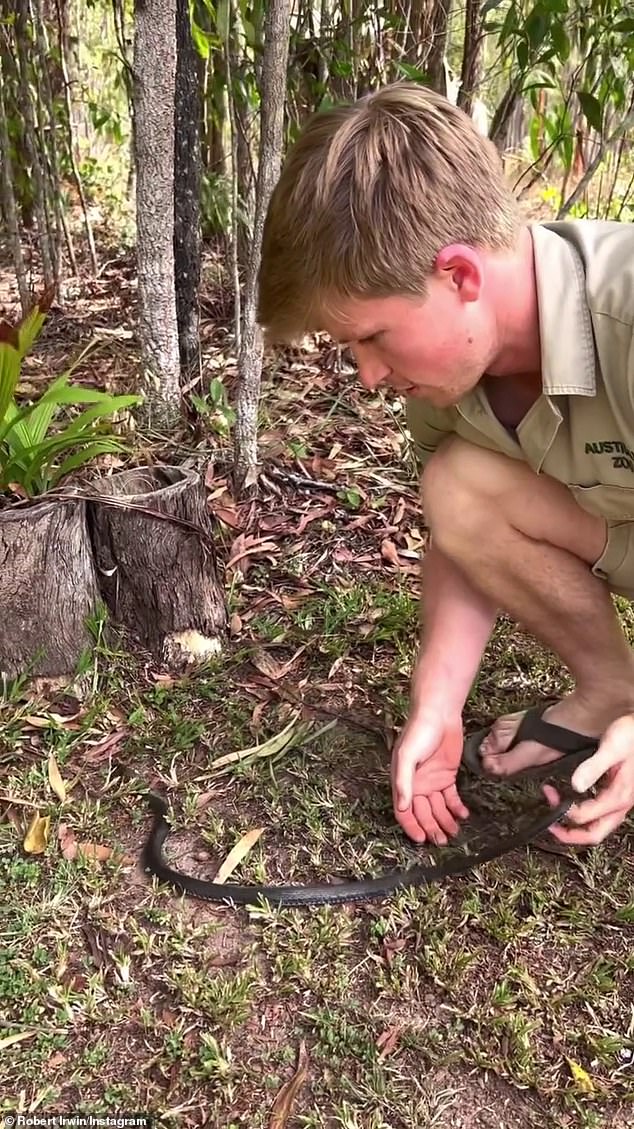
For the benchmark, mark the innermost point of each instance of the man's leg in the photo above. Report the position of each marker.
(520, 539)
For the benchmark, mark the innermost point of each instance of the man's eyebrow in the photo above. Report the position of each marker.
(361, 337)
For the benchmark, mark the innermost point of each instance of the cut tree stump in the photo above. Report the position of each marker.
(158, 578)
(49, 589)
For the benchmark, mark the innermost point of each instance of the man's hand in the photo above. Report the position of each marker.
(593, 820)
(425, 764)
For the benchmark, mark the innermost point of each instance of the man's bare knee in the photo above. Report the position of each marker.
(469, 491)
(459, 464)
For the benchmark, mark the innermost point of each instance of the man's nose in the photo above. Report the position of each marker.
(372, 372)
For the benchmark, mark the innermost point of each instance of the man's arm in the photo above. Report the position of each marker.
(457, 624)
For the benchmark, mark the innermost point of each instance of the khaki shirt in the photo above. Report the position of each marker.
(581, 429)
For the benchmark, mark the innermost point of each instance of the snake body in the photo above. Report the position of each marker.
(359, 890)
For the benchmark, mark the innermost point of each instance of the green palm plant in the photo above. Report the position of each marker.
(37, 451)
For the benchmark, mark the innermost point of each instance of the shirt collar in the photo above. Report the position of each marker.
(567, 341)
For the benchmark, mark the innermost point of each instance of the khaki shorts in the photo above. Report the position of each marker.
(616, 563)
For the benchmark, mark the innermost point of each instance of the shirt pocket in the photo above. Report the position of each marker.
(615, 503)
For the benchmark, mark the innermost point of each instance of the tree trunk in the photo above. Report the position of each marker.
(9, 210)
(276, 36)
(158, 578)
(154, 90)
(49, 589)
(438, 34)
(46, 242)
(187, 176)
(471, 58)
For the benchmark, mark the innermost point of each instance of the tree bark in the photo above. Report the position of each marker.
(154, 89)
(9, 209)
(157, 578)
(276, 36)
(46, 241)
(49, 589)
(471, 57)
(187, 178)
(438, 34)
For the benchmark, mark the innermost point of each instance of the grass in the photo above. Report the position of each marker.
(514, 980)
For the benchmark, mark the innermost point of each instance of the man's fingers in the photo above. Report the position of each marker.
(406, 760)
(617, 746)
(445, 820)
(411, 826)
(592, 833)
(422, 810)
(585, 831)
(610, 801)
(454, 803)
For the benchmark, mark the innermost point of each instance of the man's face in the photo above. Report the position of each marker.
(436, 348)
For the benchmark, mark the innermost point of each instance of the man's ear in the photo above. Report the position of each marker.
(461, 267)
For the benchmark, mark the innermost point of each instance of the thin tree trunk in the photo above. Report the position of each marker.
(234, 245)
(154, 84)
(9, 209)
(471, 57)
(30, 138)
(47, 139)
(70, 142)
(187, 176)
(275, 62)
(118, 12)
(60, 218)
(245, 178)
(438, 30)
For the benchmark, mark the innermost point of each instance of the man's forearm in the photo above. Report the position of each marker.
(457, 624)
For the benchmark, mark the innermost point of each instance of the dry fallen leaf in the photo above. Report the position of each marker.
(238, 853)
(387, 1041)
(313, 515)
(67, 841)
(295, 600)
(56, 1059)
(37, 722)
(37, 834)
(203, 799)
(581, 1077)
(339, 661)
(256, 716)
(267, 665)
(235, 625)
(245, 546)
(94, 851)
(392, 947)
(389, 552)
(55, 779)
(291, 732)
(283, 1104)
(12, 817)
(399, 512)
(9, 1040)
(228, 517)
(98, 752)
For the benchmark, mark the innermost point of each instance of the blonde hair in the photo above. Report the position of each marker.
(368, 195)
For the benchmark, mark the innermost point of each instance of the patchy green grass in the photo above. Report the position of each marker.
(502, 997)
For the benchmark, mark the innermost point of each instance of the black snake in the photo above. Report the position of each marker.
(533, 824)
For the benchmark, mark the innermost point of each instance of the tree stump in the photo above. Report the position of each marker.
(49, 589)
(158, 578)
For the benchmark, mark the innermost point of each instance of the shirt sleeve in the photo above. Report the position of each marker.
(428, 426)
